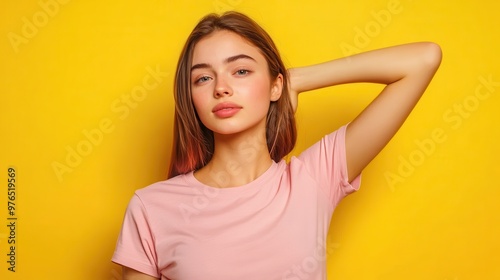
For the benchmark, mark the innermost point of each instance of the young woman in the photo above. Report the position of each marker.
(232, 207)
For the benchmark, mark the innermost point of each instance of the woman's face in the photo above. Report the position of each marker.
(231, 85)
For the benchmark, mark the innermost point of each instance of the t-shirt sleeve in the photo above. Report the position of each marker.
(135, 246)
(326, 162)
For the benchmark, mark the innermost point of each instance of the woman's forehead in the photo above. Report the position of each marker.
(222, 44)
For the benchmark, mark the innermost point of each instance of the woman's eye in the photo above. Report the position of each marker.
(242, 72)
(202, 79)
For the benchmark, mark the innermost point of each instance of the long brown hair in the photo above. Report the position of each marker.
(193, 144)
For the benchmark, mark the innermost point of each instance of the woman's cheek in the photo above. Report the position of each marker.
(198, 103)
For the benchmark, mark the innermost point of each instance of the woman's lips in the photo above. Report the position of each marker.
(226, 109)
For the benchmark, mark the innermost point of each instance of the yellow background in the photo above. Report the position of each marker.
(428, 207)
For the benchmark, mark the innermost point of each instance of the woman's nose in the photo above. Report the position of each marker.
(222, 88)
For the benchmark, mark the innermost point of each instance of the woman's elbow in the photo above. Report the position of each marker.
(431, 55)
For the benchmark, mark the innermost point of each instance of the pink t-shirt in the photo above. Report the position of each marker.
(272, 228)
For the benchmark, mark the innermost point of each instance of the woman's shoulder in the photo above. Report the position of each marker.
(169, 187)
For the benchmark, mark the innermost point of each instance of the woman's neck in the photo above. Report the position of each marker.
(237, 160)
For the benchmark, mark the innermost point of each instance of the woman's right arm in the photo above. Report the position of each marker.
(131, 274)
(406, 70)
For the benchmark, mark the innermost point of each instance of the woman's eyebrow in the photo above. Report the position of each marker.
(226, 61)
(200, 66)
(239, 56)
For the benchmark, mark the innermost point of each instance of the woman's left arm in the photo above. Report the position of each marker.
(406, 70)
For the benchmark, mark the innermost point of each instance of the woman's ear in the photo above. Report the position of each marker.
(277, 88)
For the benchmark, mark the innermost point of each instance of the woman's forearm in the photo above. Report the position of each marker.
(384, 66)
